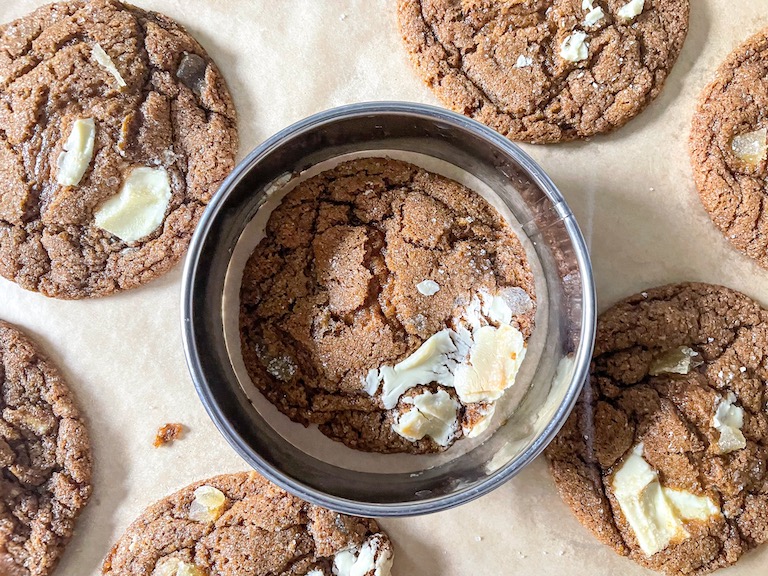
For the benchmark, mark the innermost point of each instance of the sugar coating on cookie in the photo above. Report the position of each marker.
(388, 305)
(729, 151)
(664, 457)
(116, 130)
(242, 525)
(45, 456)
(544, 71)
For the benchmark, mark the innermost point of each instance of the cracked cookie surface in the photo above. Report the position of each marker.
(505, 63)
(332, 292)
(673, 415)
(732, 179)
(45, 456)
(254, 529)
(173, 113)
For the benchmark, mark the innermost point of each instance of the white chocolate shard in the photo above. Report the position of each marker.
(372, 558)
(752, 147)
(594, 16)
(689, 506)
(728, 421)
(176, 567)
(428, 287)
(432, 414)
(494, 361)
(631, 10)
(103, 59)
(676, 361)
(575, 47)
(497, 309)
(78, 152)
(208, 504)
(140, 206)
(523, 61)
(431, 362)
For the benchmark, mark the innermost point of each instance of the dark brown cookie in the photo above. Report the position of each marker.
(242, 525)
(728, 148)
(45, 456)
(545, 70)
(116, 129)
(361, 265)
(674, 418)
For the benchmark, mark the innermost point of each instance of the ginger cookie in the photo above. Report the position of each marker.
(242, 525)
(728, 148)
(665, 457)
(116, 129)
(387, 305)
(45, 456)
(545, 71)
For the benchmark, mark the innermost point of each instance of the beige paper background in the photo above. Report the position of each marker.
(285, 59)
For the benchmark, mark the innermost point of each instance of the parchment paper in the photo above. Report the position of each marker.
(285, 59)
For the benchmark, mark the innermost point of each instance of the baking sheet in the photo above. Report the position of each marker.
(631, 191)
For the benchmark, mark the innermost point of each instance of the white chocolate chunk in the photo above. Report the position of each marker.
(428, 287)
(208, 504)
(631, 9)
(105, 62)
(676, 361)
(523, 61)
(176, 567)
(729, 420)
(575, 48)
(371, 382)
(433, 415)
(497, 310)
(594, 16)
(752, 147)
(344, 561)
(472, 315)
(588, 5)
(431, 362)
(649, 514)
(478, 359)
(494, 361)
(139, 207)
(78, 152)
(315, 572)
(654, 513)
(689, 506)
(369, 558)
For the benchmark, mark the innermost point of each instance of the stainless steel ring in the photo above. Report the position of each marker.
(546, 219)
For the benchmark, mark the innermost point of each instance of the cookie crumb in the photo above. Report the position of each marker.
(168, 433)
